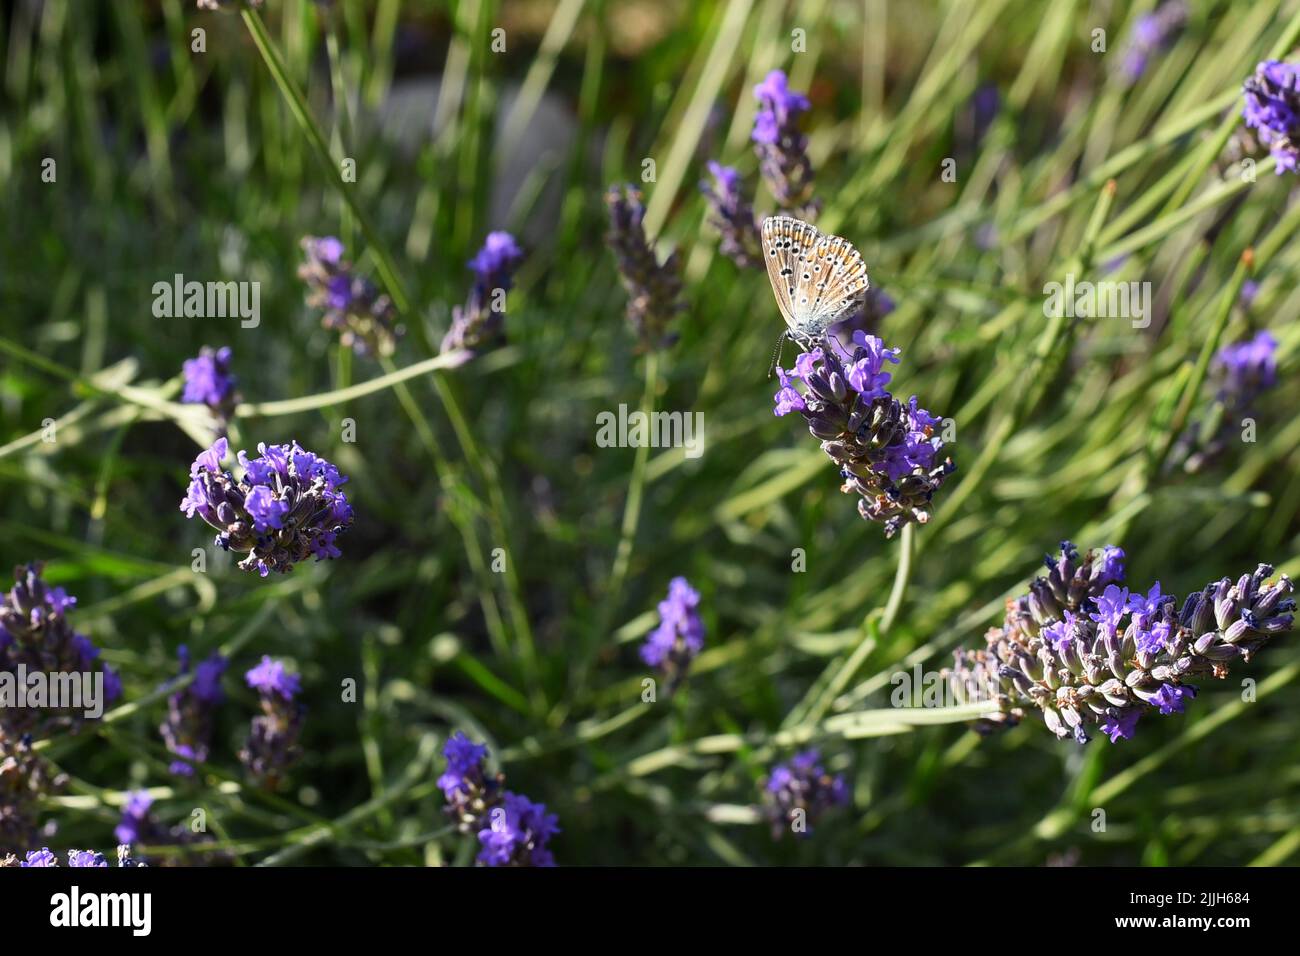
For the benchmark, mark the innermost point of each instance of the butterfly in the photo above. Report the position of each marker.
(817, 279)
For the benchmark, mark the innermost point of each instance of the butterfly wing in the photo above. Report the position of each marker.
(787, 242)
(838, 278)
(816, 279)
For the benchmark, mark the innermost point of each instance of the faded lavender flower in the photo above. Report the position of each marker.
(35, 635)
(208, 381)
(24, 780)
(272, 746)
(1153, 33)
(799, 792)
(782, 148)
(732, 215)
(654, 290)
(1088, 654)
(1273, 108)
(187, 731)
(286, 507)
(364, 318)
(1240, 374)
(887, 452)
(511, 829)
(679, 638)
(480, 323)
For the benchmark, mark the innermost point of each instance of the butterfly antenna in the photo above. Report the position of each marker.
(776, 354)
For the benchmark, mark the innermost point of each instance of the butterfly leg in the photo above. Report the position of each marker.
(776, 353)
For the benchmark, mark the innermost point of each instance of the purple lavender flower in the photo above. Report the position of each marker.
(1273, 109)
(1245, 370)
(516, 833)
(364, 318)
(208, 381)
(1241, 373)
(679, 638)
(135, 817)
(797, 794)
(286, 508)
(733, 217)
(782, 149)
(888, 453)
(1152, 33)
(654, 290)
(1169, 698)
(191, 712)
(480, 322)
(272, 746)
(1120, 724)
(1129, 654)
(77, 858)
(511, 829)
(84, 858)
(36, 637)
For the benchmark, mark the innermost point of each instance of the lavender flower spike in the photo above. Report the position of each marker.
(679, 638)
(782, 149)
(797, 793)
(191, 712)
(654, 290)
(272, 746)
(1087, 653)
(733, 217)
(1152, 33)
(24, 780)
(1241, 373)
(480, 322)
(888, 453)
(1273, 108)
(511, 829)
(364, 318)
(208, 382)
(286, 508)
(36, 637)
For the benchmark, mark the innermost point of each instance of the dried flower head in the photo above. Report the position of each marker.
(887, 452)
(286, 507)
(364, 318)
(1088, 654)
